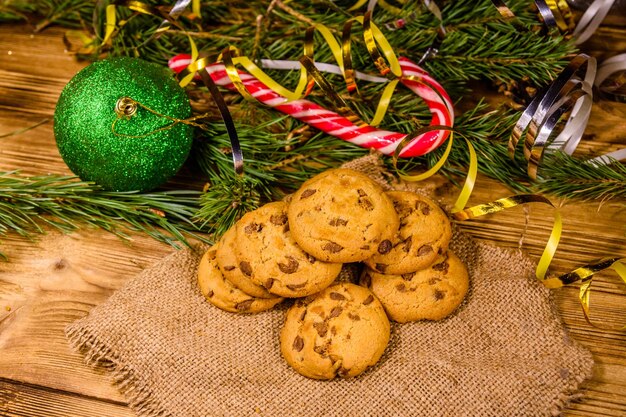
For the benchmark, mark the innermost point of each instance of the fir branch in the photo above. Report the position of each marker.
(275, 163)
(566, 176)
(559, 174)
(65, 203)
(12, 10)
(226, 199)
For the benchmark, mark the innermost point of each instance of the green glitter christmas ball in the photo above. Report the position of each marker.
(123, 152)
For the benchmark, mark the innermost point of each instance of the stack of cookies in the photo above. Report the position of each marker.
(296, 249)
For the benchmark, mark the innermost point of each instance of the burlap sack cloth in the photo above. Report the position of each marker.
(503, 353)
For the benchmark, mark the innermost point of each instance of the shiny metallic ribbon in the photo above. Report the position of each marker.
(611, 77)
(582, 275)
(572, 90)
(558, 14)
(554, 13)
(591, 19)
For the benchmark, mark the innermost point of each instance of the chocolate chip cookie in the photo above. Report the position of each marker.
(428, 294)
(229, 265)
(270, 257)
(222, 294)
(424, 234)
(341, 331)
(342, 215)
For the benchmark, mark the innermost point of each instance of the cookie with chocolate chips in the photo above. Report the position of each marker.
(229, 265)
(341, 331)
(270, 257)
(223, 294)
(432, 293)
(424, 234)
(342, 215)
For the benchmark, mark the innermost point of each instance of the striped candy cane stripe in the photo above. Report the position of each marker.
(338, 126)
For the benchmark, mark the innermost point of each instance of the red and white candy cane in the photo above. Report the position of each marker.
(338, 126)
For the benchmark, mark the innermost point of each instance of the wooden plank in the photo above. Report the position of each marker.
(607, 41)
(40, 55)
(52, 283)
(23, 400)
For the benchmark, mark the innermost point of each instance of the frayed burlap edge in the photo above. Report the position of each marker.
(98, 355)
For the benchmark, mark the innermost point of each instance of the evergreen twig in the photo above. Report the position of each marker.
(64, 202)
(567, 176)
(276, 163)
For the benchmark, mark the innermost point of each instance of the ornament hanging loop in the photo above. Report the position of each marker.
(125, 107)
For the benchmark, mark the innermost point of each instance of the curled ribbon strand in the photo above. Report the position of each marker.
(514, 201)
(572, 89)
(554, 13)
(611, 77)
(583, 275)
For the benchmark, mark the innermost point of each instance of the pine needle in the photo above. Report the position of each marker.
(66, 203)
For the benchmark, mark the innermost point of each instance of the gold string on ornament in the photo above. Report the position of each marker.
(126, 108)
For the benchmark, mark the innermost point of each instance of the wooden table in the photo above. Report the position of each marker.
(60, 278)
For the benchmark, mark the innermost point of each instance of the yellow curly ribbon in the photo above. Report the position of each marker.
(373, 36)
(514, 201)
(582, 274)
(472, 171)
(195, 8)
(585, 275)
(110, 23)
(432, 170)
(349, 74)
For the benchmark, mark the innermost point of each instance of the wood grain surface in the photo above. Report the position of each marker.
(57, 279)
